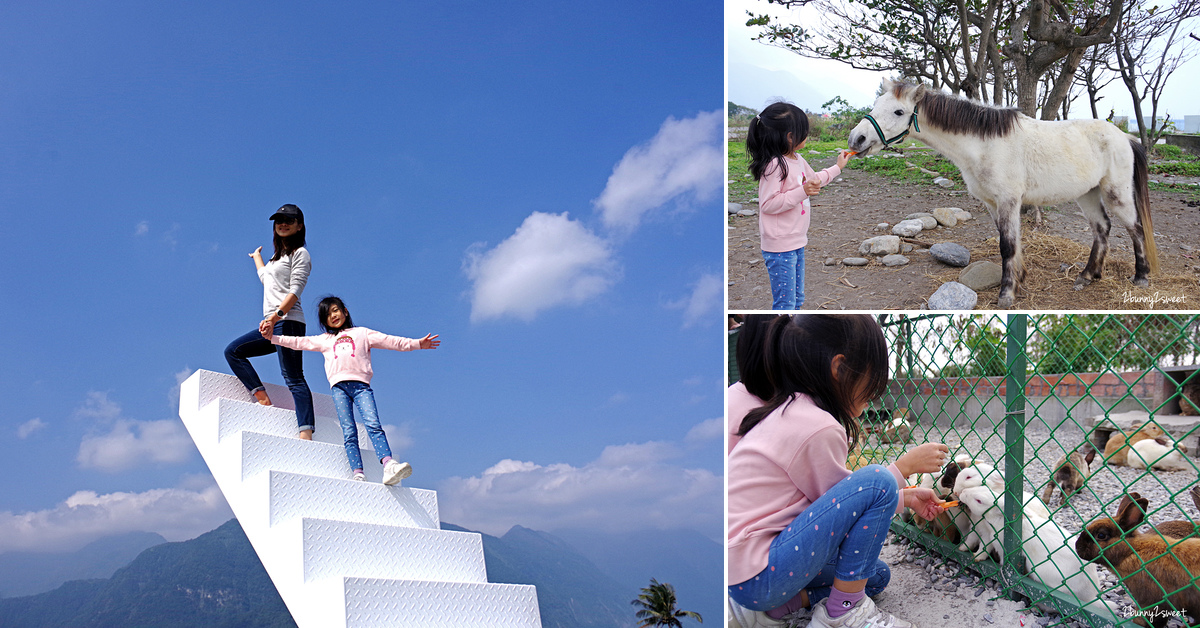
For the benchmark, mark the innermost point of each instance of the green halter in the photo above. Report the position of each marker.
(886, 142)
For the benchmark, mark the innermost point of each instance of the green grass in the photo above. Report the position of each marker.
(1192, 192)
(1178, 168)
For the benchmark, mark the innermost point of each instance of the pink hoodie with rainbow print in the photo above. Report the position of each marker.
(348, 352)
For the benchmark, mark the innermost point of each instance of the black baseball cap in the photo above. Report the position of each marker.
(288, 211)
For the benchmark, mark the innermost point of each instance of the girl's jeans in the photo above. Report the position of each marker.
(346, 397)
(837, 536)
(786, 272)
(291, 363)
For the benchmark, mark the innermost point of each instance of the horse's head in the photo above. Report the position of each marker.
(893, 114)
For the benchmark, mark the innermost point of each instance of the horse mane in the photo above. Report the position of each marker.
(959, 115)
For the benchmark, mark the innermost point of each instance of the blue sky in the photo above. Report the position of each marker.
(539, 183)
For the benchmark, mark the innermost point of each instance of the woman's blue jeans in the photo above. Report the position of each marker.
(291, 363)
(837, 536)
(786, 273)
(346, 397)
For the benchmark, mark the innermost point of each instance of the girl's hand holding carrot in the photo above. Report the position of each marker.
(922, 501)
(844, 158)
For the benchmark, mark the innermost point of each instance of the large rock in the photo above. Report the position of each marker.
(953, 296)
(951, 253)
(908, 228)
(928, 222)
(894, 260)
(856, 261)
(880, 245)
(917, 215)
(962, 215)
(734, 208)
(945, 216)
(981, 275)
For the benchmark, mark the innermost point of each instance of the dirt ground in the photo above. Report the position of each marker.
(848, 210)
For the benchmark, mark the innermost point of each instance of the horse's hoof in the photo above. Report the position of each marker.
(1081, 282)
(1005, 301)
(1141, 282)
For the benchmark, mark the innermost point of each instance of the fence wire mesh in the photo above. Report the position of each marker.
(1055, 423)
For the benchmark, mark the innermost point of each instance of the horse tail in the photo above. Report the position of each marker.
(1141, 200)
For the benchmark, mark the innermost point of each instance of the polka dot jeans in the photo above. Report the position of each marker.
(786, 273)
(839, 535)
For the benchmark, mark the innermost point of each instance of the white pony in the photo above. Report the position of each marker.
(1008, 159)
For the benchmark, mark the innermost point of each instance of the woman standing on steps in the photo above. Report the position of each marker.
(283, 279)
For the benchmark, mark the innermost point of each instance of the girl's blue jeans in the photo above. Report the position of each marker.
(291, 363)
(838, 536)
(786, 273)
(346, 397)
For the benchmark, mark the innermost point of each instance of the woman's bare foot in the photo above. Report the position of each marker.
(261, 396)
(306, 435)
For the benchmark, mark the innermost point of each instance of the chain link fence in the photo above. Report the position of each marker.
(1022, 401)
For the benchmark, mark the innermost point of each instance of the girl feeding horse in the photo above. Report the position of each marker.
(1008, 160)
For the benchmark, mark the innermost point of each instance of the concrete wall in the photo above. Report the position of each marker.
(1190, 143)
(957, 402)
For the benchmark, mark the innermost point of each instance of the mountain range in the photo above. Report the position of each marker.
(217, 580)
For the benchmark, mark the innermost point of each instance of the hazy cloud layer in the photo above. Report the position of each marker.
(175, 513)
(550, 260)
(683, 162)
(628, 488)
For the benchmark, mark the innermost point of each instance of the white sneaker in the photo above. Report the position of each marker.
(863, 615)
(359, 476)
(742, 617)
(394, 471)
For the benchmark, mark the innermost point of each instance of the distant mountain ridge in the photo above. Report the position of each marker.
(27, 573)
(217, 580)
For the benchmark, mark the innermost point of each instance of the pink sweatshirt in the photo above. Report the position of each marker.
(783, 208)
(739, 403)
(786, 462)
(348, 352)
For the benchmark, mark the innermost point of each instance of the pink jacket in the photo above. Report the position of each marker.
(783, 208)
(348, 352)
(739, 403)
(786, 462)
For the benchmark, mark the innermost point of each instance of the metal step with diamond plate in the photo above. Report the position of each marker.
(341, 553)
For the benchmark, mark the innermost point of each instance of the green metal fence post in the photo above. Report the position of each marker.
(1014, 448)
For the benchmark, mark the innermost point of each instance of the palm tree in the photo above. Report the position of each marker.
(657, 603)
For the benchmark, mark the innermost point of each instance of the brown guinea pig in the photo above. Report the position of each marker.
(1117, 545)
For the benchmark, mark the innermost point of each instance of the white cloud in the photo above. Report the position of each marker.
(175, 513)
(712, 429)
(628, 488)
(683, 161)
(550, 260)
(173, 393)
(97, 406)
(142, 228)
(705, 304)
(399, 438)
(134, 443)
(29, 427)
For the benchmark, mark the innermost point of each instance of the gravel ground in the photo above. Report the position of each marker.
(931, 590)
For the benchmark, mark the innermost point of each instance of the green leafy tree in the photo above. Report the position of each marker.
(657, 606)
(1086, 344)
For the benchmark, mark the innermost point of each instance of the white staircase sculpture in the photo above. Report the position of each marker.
(341, 553)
